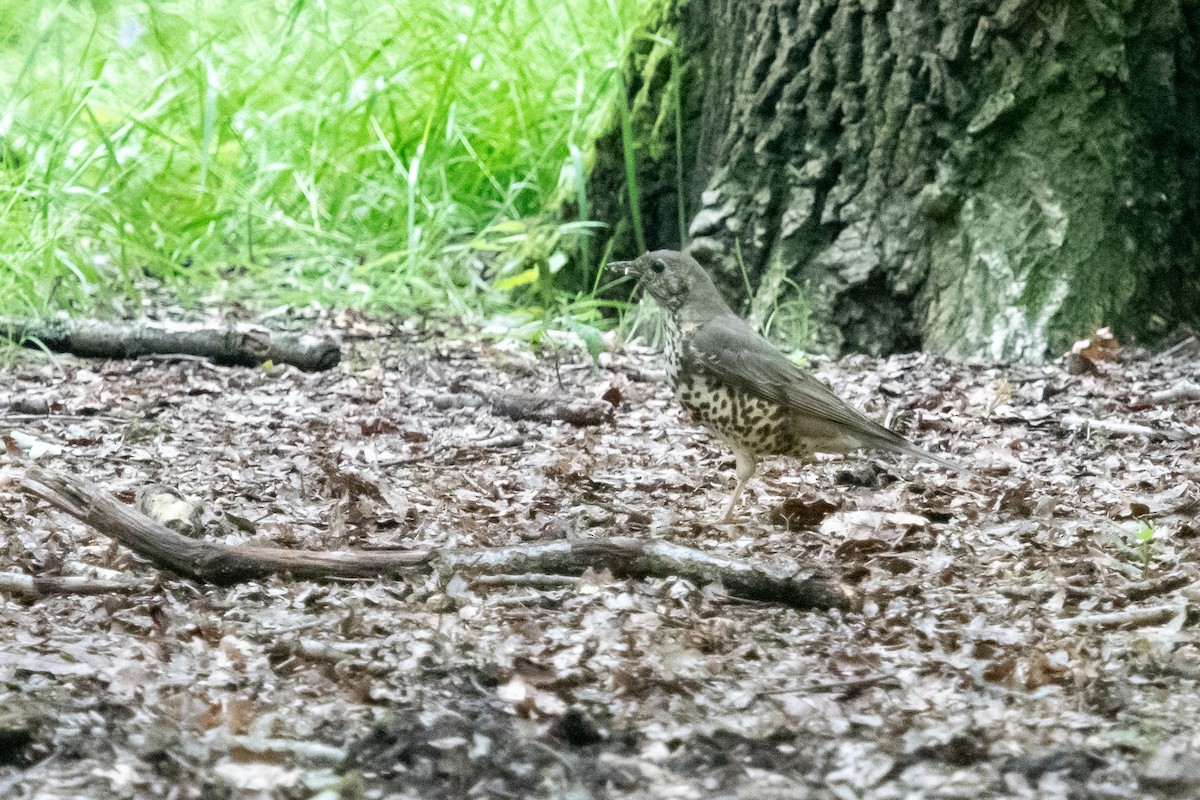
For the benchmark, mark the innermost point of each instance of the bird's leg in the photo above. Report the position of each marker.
(747, 463)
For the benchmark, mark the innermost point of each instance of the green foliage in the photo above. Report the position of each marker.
(344, 151)
(1143, 543)
(537, 311)
(628, 150)
(1137, 541)
(790, 321)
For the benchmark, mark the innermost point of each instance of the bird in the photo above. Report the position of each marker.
(739, 386)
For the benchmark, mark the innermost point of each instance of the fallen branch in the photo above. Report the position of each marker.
(1166, 355)
(1129, 618)
(256, 749)
(443, 402)
(1161, 585)
(353, 655)
(624, 557)
(579, 411)
(1116, 427)
(1184, 391)
(546, 408)
(532, 581)
(49, 417)
(237, 345)
(853, 685)
(34, 586)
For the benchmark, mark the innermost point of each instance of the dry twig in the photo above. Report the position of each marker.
(1115, 427)
(237, 345)
(34, 586)
(624, 557)
(1129, 618)
(1184, 391)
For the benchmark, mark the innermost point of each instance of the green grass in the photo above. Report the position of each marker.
(385, 155)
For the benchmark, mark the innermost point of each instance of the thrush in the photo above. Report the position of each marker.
(735, 383)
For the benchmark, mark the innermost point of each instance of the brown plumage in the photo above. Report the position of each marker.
(734, 382)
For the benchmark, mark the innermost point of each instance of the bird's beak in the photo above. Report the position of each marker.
(625, 267)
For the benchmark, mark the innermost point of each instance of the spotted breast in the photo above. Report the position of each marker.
(742, 419)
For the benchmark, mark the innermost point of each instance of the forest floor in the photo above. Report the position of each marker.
(1029, 630)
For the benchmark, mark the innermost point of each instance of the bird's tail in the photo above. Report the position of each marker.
(893, 442)
(912, 450)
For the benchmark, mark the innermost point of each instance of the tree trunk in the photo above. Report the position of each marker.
(980, 178)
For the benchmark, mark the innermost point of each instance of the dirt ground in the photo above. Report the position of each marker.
(1028, 631)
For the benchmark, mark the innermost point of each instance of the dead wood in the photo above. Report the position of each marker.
(579, 411)
(236, 345)
(1166, 355)
(851, 686)
(352, 655)
(1159, 586)
(624, 557)
(257, 749)
(1184, 391)
(1117, 427)
(444, 402)
(532, 581)
(1129, 618)
(35, 586)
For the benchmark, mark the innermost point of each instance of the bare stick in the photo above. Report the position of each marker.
(48, 417)
(236, 345)
(851, 685)
(1184, 391)
(625, 557)
(545, 408)
(1115, 427)
(1162, 585)
(579, 411)
(532, 581)
(1173, 349)
(1129, 618)
(353, 655)
(34, 586)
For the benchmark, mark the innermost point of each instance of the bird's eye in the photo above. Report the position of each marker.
(658, 267)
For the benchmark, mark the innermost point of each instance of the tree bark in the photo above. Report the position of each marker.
(980, 178)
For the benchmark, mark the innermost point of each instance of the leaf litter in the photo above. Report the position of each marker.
(1026, 631)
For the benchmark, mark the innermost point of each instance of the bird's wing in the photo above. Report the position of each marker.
(726, 349)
